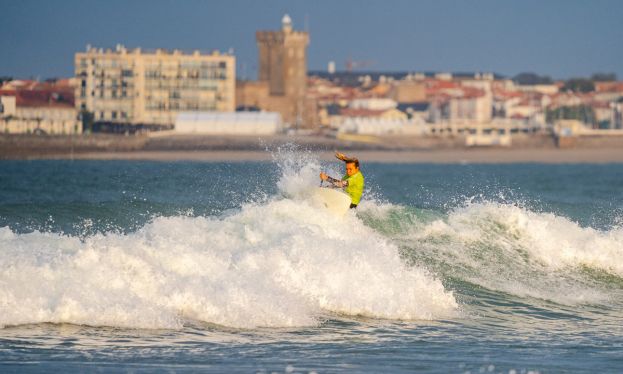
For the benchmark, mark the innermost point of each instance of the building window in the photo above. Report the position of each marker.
(114, 114)
(102, 115)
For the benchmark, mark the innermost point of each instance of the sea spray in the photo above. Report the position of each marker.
(283, 263)
(509, 248)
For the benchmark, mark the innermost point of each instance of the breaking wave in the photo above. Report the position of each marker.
(283, 262)
(508, 248)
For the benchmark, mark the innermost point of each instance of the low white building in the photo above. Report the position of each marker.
(373, 104)
(383, 126)
(228, 123)
(34, 117)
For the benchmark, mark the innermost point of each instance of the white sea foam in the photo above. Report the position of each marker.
(554, 241)
(281, 263)
(512, 249)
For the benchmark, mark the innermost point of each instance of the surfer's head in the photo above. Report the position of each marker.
(352, 167)
(352, 163)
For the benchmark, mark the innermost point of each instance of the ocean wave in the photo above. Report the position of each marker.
(510, 248)
(280, 263)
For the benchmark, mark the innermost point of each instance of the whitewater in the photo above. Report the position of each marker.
(468, 258)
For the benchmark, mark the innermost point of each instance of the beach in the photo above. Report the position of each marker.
(391, 149)
(484, 156)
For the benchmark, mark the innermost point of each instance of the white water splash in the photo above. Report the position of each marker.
(509, 248)
(279, 263)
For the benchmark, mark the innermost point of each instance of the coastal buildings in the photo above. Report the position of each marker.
(132, 90)
(30, 107)
(140, 87)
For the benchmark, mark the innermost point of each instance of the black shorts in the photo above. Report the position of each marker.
(353, 206)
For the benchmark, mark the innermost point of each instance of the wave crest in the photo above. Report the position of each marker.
(282, 263)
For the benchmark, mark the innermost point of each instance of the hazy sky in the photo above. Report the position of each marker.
(560, 38)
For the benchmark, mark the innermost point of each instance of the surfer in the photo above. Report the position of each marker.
(352, 182)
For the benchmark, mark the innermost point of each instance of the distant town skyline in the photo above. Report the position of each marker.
(561, 39)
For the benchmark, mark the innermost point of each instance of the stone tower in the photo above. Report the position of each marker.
(283, 60)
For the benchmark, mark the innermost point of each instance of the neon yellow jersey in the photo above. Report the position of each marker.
(355, 186)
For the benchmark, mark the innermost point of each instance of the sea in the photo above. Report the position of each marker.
(154, 266)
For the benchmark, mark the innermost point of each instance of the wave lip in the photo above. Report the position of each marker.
(511, 249)
(282, 263)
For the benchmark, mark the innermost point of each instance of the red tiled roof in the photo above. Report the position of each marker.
(502, 94)
(42, 97)
(600, 104)
(472, 93)
(609, 86)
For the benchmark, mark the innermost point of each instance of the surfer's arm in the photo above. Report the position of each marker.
(336, 182)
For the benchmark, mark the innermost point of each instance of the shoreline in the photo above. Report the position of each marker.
(389, 149)
(440, 156)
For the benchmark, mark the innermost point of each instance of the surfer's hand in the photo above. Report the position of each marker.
(343, 157)
(323, 176)
(340, 156)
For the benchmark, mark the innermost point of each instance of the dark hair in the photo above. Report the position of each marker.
(353, 161)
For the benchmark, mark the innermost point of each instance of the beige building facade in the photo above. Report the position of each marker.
(51, 121)
(136, 87)
(38, 111)
(408, 91)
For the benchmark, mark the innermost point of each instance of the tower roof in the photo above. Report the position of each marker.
(286, 20)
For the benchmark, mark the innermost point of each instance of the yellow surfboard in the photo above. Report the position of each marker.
(335, 200)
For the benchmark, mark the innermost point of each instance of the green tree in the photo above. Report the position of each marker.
(583, 113)
(579, 85)
(531, 79)
(88, 118)
(604, 77)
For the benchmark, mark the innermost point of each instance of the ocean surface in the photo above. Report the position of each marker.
(139, 266)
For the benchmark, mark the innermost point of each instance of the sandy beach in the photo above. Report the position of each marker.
(488, 156)
(534, 149)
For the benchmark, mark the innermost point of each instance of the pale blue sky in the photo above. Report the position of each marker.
(560, 38)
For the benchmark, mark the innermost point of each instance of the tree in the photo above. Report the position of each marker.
(531, 79)
(583, 113)
(579, 85)
(88, 118)
(604, 77)
(4, 79)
